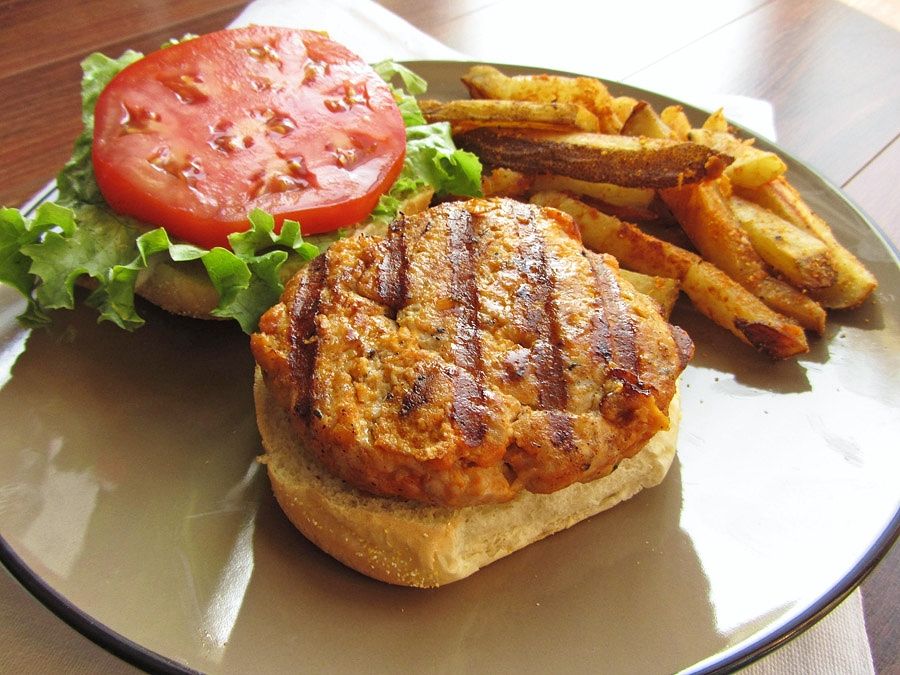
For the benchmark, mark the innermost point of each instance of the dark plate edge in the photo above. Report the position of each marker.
(99, 633)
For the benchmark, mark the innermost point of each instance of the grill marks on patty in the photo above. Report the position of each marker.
(473, 351)
(304, 345)
(393, 282)
(468, 408)
(540, 315)
(614, 340)
(539, 318)
(468, 391)
(615, 337)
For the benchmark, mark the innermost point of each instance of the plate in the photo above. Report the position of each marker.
(132, 504)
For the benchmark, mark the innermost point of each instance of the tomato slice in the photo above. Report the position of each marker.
(195, 136)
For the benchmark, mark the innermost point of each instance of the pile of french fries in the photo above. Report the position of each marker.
(756, 260)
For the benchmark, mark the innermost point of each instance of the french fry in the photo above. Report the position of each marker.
(505, 183)
(615, 195)
(712, 291)
(707, 219)
(592, 94)
(716, 123)
(854, 282)
(768, 263)
(673, 117)
(732, 306)
(631, 246)
(622, 160)
(751, 167)
(644, 121)
(622, 106)
(784, 298)
(631, 204)
(663, 290)
(798, 256)
(470, 113)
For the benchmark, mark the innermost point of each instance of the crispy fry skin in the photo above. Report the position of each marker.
(621, 160)
(712, 291)
(784, 298)
(505, 183)
(467, 114)
(716, 123)
(673, 117)
(854, 282)
(608, 193)
(633, 247)
(801, 258)
(589, 93)
(752, 167)
(758, 176)
(762, 242)
(640, 205)
(623, 105)
(708, 220)
(644, 121)
(730, 305)
(707, 217)
(661, 289)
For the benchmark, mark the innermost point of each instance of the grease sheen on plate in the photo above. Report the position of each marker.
(129, 488)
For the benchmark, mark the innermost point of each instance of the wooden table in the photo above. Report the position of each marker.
(830, 69)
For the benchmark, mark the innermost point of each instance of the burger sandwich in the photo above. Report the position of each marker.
(435, 398)
(435, 388)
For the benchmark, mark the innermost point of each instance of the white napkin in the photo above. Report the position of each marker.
(369, 29)
(836, 644)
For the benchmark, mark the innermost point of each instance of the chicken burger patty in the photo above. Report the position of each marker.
(474, 351)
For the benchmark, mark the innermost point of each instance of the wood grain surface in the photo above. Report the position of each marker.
(830, 69)
(40, 74)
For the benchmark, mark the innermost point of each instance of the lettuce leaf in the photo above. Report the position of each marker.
(405, 95)
(76, 182)
(46, 256)
(432, 159)
(17, 233)
(80, 240)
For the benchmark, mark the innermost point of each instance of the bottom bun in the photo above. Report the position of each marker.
(410, 544)
(180, 288)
